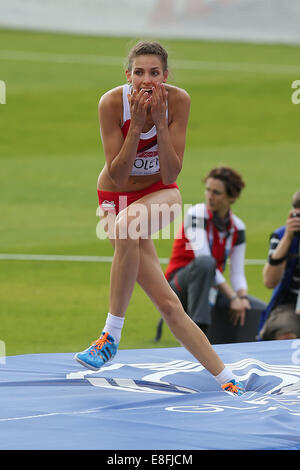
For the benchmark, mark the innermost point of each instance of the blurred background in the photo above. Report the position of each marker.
(237, 59)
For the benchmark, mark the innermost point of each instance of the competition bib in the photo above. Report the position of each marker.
(146, 163)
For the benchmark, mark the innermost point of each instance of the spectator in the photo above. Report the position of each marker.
(282, 273)
(210, 234)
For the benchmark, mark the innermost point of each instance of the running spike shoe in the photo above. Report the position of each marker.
(99, 353)
(237, 388)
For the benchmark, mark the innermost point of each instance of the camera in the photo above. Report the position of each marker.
(296, 214)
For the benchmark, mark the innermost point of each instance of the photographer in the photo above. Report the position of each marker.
(281, 319)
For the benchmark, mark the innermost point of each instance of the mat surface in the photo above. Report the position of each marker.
(152, 399)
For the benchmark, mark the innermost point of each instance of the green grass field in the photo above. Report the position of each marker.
(51, 154)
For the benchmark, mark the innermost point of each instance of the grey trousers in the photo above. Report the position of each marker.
(192, 285)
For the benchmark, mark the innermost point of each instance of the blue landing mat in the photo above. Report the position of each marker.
(152, 399)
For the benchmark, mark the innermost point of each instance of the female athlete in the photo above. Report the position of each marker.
(143, 128)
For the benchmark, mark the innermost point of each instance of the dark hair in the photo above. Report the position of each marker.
(232, 180)
(147, 48)
(296, 200)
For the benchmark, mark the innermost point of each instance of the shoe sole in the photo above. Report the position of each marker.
(89, 366)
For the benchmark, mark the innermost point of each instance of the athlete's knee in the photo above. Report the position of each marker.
(169, 307)
(130, 227)
(122, 225)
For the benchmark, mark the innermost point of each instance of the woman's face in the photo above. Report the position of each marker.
(216, 197)
(146, 71)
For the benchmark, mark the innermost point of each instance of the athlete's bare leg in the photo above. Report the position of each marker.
(137, 260)
(131, 225)
(151, 278)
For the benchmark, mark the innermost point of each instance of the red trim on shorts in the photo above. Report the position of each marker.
(111, 201)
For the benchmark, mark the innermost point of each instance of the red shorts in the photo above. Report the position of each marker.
(116, 201)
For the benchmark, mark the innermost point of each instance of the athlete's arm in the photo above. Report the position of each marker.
(170, 138)
(119, 153)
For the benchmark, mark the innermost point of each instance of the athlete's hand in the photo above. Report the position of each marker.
(158, 101)
(138, 102)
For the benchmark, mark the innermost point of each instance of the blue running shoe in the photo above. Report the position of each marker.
(99, 353)
(237, 388)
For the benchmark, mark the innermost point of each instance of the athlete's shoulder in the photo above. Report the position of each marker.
(179, 104)
(110, 106)
(112, 97)
(177, 94)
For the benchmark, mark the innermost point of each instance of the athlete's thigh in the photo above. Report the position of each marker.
(150, 276)
(153, 211)
(106, 225)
